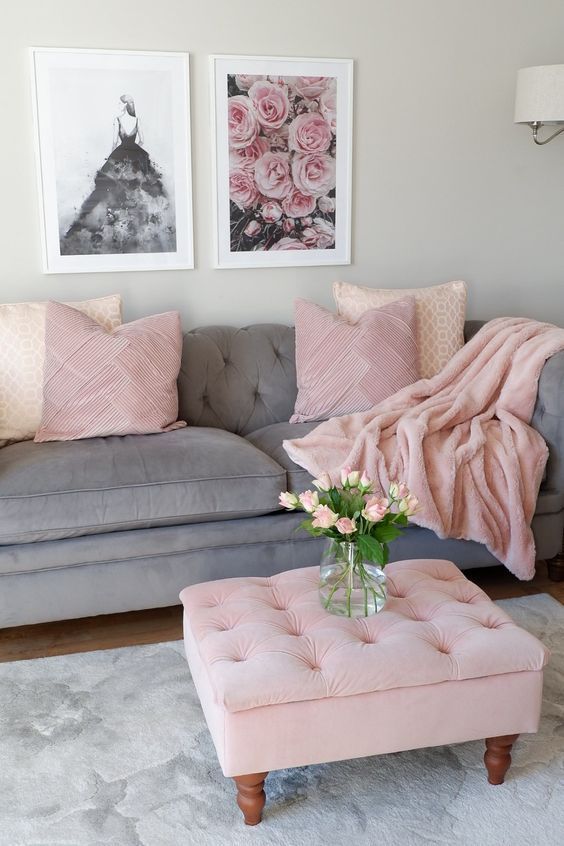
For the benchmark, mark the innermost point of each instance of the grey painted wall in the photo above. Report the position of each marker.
(445, 186)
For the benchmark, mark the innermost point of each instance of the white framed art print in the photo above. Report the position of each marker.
(113, 158)
(282, 160)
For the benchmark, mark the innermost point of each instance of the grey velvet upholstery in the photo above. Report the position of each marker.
(67, 489)
(143, 568)
(548, 419)
(147, 568)
(238, 379)
(269, 440)
(158, 512)
(471, 327)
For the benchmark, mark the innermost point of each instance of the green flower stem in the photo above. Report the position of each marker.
(334, 588)
(350, 569)
(350, 588)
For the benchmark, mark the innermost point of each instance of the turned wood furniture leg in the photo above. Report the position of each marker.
(555, 567)
(497, 757)
(251, 796)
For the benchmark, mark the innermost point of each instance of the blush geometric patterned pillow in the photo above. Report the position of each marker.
(22, 349)
(99, 383)
(343, 368)
(441, 310)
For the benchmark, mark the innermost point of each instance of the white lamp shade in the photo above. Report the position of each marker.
(540, 95)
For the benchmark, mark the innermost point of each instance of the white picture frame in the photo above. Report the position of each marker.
(229, 126)
(105, 206)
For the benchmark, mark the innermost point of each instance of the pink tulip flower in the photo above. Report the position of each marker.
(324, 518)
(409, 505)
(403, 490)
(324, 482)
(350, 478)
(288, 500)
(375, 509)
(365, 484)
(345, 526)
(309, 501)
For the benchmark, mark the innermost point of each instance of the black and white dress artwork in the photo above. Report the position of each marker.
(129, 209)
(113, 136)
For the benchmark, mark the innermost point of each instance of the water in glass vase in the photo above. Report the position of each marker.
(348, 585)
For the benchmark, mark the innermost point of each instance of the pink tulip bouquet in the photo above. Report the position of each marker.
(352, 512)
(359, 524)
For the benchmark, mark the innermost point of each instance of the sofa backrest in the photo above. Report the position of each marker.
(237, 379)
(242, 379)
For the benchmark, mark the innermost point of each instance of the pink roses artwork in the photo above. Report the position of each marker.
(282, 162)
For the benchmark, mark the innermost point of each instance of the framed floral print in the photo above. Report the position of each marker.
(113, 155)
(282, 160)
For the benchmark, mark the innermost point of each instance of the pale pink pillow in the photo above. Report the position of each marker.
(343, 368)
(440, 315)
(98, 382)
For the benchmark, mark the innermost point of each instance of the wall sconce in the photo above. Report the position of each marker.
(540, 99)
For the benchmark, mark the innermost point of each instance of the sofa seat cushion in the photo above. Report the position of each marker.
(67, 489)
(269, 440)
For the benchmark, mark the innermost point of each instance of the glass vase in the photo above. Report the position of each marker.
(348, 585)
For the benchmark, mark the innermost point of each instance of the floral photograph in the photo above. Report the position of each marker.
(282, 162)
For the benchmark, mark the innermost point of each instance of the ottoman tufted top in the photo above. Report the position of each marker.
(266, 641)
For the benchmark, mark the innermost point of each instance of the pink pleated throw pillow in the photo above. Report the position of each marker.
(440, 315)
(98, 382)
(343, 367)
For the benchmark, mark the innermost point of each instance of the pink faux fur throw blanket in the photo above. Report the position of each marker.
(460, 440)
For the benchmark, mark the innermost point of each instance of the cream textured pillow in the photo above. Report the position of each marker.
(22, 342)
(440, 315)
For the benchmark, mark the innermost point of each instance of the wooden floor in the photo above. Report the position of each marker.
(162, 624)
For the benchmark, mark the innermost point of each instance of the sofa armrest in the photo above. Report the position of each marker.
(548, 419)
(548, 416)
(471, 327)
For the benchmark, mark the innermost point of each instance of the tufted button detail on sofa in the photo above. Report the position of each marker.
(208, 351)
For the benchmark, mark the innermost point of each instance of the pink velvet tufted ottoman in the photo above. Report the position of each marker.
(283, 683)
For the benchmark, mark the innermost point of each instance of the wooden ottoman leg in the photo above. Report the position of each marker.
(251, 796)
(555, 567)
(497, 757)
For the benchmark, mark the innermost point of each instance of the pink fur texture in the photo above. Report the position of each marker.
(460, 440)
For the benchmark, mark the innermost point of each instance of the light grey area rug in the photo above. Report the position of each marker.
(111, 748)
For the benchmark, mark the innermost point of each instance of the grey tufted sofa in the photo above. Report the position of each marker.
(115, 524)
